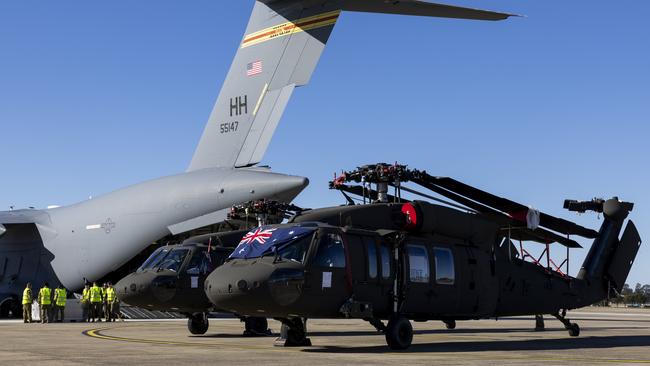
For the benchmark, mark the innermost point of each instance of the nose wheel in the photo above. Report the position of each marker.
(198, 323)
(399, 333)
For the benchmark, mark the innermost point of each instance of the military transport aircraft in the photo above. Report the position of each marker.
(399, 260)
(279, 52)
(172, 278)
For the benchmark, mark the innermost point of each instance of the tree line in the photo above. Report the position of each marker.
(640, 295)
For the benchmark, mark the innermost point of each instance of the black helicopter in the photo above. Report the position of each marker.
(172, 278)
(395, 260)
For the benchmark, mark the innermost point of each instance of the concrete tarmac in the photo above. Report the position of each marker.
(607, 336)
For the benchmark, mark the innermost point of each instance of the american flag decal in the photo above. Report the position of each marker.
(254, 68)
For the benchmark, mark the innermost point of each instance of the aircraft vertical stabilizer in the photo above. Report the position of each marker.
(280, 49)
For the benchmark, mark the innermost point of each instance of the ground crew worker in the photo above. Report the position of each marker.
(110, 302)
(117, 314)
(95, 302)
(27, 303)
(45, 301)
(104, 305)
(85, 302)
(60, 299)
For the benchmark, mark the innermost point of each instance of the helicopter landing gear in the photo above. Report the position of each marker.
(256, 327)
(293, 333)
(450, 324)
(573, 328)
(198, 323)
(399, 333)
(539, 323)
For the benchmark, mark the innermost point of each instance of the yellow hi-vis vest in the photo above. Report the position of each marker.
(85, 295)
(27, 296)
(95, 295)
(60, 296)
(45, 296)
(110, 295)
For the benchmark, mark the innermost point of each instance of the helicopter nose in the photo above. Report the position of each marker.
(235, 290)
(132, 290)
(253, 288)
(141, 289)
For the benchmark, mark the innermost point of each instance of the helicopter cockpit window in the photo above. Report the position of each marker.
(200, 263)
(296, 250)
(418, 263)
(445, 274)
(174, 260)
(331, 253)
(154, 259)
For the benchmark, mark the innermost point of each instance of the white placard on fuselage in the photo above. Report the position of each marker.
(327, 279)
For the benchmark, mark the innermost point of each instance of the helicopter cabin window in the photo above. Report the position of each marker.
(385, 261)
(331, 253)
(445, 274)
(371, 251)
(418, 263)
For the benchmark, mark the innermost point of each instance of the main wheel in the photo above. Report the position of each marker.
(256, 327)
(293, 333)
(450, 324)
(574, 330)
(198, 323)
(399, 333)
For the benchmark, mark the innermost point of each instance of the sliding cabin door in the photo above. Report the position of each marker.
(370, 265)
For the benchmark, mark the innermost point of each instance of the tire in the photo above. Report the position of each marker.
(399, 333)
(256, 327)
(574, 330)
(198, 324)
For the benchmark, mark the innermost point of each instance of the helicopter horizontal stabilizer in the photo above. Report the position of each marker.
(624, 256)
(422, 8)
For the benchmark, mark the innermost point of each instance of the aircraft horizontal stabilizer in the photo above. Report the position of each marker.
(23, 217)
(422, 8)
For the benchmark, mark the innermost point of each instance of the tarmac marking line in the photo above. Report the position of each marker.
(98, 334)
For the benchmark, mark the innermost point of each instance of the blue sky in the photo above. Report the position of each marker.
(95, 96)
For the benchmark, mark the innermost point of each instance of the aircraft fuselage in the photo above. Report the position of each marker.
(90, 239)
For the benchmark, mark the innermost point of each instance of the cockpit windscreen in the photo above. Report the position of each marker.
(174, 259)
(165, 258)
(154, 259)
